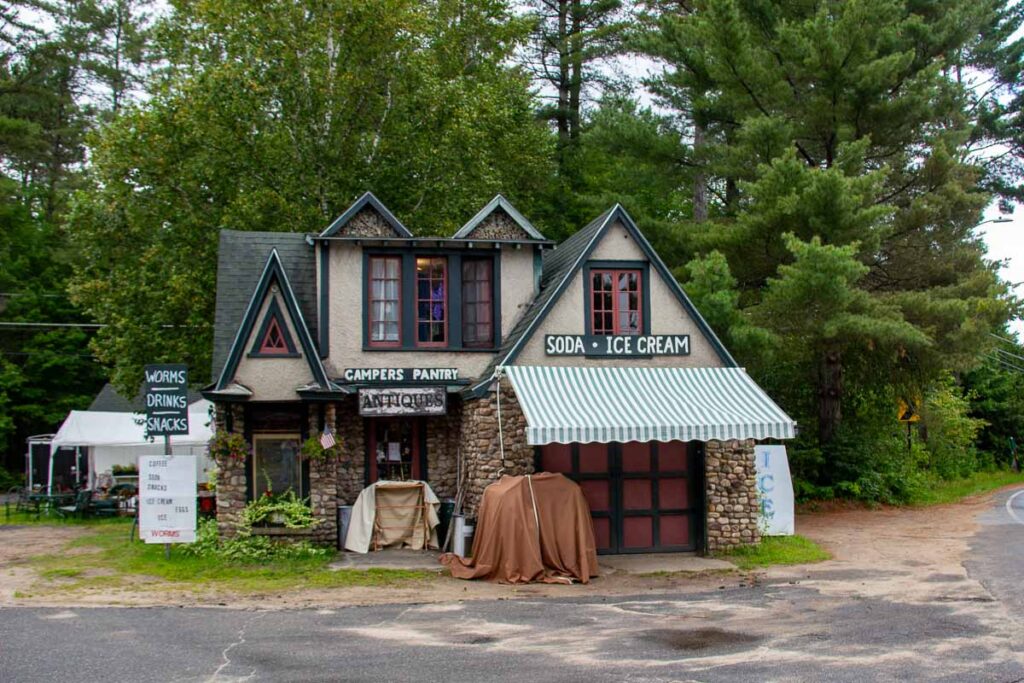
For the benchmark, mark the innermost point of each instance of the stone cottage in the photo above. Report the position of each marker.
(493, 351)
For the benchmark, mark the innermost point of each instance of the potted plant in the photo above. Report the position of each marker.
(227, 447)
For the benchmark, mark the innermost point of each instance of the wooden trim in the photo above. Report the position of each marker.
(368, 286)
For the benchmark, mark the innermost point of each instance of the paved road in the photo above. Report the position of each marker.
(812, 629)
(997, 552)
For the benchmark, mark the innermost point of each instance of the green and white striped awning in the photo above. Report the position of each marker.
(604, 404)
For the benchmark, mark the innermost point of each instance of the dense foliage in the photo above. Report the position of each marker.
(813, 173)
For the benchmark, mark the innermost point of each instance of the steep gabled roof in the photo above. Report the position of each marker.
(241, 258)
(499, 203)
(367, 200)
(273, 272)
(561, 265)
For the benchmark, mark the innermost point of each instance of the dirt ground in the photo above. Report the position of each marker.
(919, 549)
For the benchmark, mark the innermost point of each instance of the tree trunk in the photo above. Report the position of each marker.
(830, 393)
(700, 181)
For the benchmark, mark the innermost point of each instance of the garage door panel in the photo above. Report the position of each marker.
(557, 457)
(642, 496)
(637, 495)
(637, 532)
(598, 494)
(674, 530)
(603, 533)
(593, 458)
(672, 457)
(636, 457)
(673, 494)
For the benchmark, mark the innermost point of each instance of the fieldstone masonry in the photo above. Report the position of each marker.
(731, 485)
(230, 475)
(499, 226)
(481, 446)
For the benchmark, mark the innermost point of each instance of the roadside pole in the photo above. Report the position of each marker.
(167, 451)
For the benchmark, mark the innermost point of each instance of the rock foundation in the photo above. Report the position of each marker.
(732, 504)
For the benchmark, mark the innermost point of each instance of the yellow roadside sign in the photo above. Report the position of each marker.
(907, 413)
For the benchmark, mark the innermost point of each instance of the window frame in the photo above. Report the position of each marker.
(617, 266)
(446, 302)
(271, 315)
(368, 284)
(487, 343)
(407, 330)
(276, 436)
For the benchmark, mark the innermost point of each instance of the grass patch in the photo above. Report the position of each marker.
(777, 550)
(950, 491)
(10, 517)
(105, 558)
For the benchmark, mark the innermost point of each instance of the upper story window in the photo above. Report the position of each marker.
(616, 301)
(385, 300)
(478, 302)
(432, 301)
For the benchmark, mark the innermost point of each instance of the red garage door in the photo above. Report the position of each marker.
(644, 497)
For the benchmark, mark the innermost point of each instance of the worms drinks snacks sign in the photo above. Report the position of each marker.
(167, 498)
(166, 399)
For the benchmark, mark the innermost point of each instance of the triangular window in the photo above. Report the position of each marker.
(273, 338)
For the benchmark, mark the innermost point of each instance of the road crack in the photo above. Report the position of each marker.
(226, 660)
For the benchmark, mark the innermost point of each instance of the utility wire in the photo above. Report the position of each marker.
(1007, 364)
(1003, 339)
(88, 326)
(1011, 355)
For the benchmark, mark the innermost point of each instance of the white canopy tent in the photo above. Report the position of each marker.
(119, 438)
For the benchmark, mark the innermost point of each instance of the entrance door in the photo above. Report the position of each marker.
(643, 497)
(395, 451)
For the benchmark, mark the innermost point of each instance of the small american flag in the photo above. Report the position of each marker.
(327, 438)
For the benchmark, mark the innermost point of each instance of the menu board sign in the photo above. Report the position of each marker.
(167, 498)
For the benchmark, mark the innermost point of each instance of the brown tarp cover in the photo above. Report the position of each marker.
(510, 546)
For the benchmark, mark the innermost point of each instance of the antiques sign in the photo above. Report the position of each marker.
(167, 498)
(387, 401)
(617, 345)
(166, 399)
(399, 375)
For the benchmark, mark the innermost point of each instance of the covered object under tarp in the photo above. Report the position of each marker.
(531, 528)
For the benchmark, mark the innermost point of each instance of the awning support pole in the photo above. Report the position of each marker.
(501, 436)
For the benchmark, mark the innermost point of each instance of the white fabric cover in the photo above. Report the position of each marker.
(360, 527)
(97, 428)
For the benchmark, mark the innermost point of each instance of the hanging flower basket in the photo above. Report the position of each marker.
(314, 451)
(227, 447)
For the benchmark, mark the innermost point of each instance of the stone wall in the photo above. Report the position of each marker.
(732, 504)
(351, 433)
(367, 223)
(323, 482)
(499, 226)
(443, 441)
(230, 474)
(481, 450)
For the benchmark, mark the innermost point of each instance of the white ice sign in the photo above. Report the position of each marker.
(167, 498)
(775, 489)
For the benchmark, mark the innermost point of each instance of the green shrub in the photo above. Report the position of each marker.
(248, 549)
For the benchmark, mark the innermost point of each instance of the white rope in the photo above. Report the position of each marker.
(501, 435)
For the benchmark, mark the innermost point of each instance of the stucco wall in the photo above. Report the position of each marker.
(346, 315)
(273, 379)
(667, 315)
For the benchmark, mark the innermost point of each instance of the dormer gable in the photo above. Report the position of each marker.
(273, 304)
(499, 220)
(367, 217)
